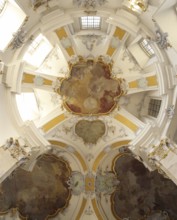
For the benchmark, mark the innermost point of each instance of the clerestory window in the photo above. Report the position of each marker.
(90, 22)
(37, 51)
(146, 47)
(11, 19)
(154, 107)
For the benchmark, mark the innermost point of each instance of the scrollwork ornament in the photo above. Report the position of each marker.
(170, 111)
(91, 40)
(37, 3)
(89, 211)
(18, 151)
(19, 39)
(160, 37)
(160, 152)
(76, 183)
(89, 4)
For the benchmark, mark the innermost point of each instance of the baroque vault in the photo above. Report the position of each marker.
(88, 109)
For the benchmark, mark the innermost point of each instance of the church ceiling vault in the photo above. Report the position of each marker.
(91, 90)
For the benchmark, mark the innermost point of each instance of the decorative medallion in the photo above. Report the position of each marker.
(90, 90)
(90, 131)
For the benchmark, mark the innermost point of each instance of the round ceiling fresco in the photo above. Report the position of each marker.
(90, 89)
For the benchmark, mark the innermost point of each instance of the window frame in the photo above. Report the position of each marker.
(154, 107)
(90, 22)
(143, 43)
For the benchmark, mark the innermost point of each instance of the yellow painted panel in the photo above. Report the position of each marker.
(126, 122)
(110, 51)
(89, 184)
(95, 207)
(84, 201)
(58, 143)
(49, 125)
(119, 33)
(70, 51)
(97, 160)
(61, 33)
(82, 161)
(28, 78)
(133, 84)
(47, 82)
(152, 80)
(119, 144)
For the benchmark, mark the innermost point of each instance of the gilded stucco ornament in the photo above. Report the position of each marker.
(89, 4)
(91, 40)
(138, 6)
(37, 3)
(161, 151)
(17, 150)
(89, 184)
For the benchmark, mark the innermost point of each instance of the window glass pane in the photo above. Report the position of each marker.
(90, 22)
(146, 47)
(12, 17)
(154, 107)
(27, 106)
(37, 51)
